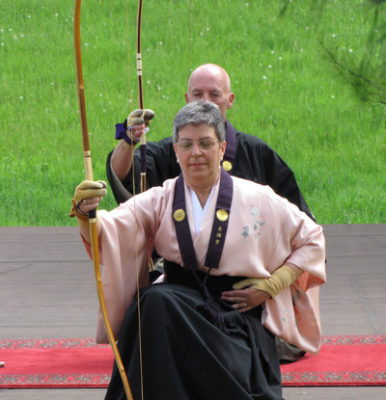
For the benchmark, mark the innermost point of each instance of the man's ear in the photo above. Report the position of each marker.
(231, 99)
(186, 98)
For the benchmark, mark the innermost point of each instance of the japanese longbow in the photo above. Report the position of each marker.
(93, 219)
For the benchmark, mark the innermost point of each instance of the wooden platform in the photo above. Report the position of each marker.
(47, 290)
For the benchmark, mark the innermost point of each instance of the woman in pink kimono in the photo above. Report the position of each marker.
(242, 265)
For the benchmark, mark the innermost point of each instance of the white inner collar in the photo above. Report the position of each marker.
(198, 211)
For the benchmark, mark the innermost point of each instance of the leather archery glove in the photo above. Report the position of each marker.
(148, 115)
(136, 117)
(139, 117)
(280, 279)
(86, 190)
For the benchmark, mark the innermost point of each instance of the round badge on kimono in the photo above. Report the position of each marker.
(179, 215)
(227, 165)
(222, 215)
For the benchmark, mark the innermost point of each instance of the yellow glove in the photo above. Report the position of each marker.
(89, 189)
(136, 117)
(139, 117)
(86, 190)
(280, 279)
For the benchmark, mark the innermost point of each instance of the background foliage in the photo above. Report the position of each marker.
(288, 92)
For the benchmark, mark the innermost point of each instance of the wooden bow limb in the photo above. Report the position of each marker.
(142, 147)
(142, 140)
(92, 215)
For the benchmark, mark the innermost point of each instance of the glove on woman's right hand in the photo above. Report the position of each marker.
(87, 196)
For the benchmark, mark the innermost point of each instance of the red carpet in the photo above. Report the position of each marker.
(342, 361)
(52, 363)
(69, 363)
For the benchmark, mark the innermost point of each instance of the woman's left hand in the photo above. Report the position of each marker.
(245, 299)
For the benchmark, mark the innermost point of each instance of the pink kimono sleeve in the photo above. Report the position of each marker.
(126, 242)
(294, 313)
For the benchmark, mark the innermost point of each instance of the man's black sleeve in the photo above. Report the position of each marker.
(161, 164)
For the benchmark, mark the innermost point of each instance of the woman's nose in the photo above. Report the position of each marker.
(196, 148)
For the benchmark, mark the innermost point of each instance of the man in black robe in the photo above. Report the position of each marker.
(246, 156)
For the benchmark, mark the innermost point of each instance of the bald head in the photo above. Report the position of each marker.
(210, 82)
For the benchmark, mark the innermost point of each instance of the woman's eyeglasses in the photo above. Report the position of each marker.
(203, 144)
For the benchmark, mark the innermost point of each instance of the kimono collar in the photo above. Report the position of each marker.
(219, 227)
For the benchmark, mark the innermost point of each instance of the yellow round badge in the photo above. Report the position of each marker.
(222, 215)
(227, 165)
(179, 215)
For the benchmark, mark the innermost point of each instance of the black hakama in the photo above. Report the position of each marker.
(187, 357)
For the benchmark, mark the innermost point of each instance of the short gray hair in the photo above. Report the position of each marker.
(197, 113)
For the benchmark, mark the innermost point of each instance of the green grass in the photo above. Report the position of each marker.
(287, 93)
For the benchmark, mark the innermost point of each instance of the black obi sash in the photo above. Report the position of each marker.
(215, 284)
